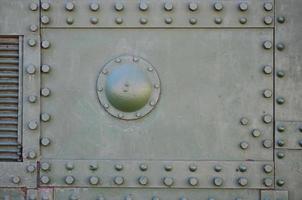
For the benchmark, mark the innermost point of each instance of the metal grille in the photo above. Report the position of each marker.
(10, 142)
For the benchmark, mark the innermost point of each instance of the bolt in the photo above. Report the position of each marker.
(45, 117)
(242, 20)
(218, 6)
(267, 118)
(94, 20)
(31, 69)
(242, 168)
(168, 6)
(118, 180)
(193, 6)
(280, 46)
(143, 20)
(217, 168)
(193, 167)
(94, 7)
(267, 168)
(44, 179)
(168, 181)
(69, 180)
(193, 181)
(30, 168)
(45, 92)
(16, 179)
(100, 198)
(45, 6)
(143, 180)
(267, 143)
(45, 44)
(118, 20)
(218, 20)
(74, 197)
(33, 28)
(268, 182)
(268, 20)
(31, 155)
(93, 165)
(243, 6)
(244, 121)
(280, 155)
(193, 21)
(155, 198)
(32, 125)
(280, 182)
(281, 128)
(168, 20)
(168, 167)
(69, 165)
(32, 99)
(300, 143)
(106, 106)
(93, 180)
(45, 166)
(156, 86)
(281, 19)
(217, 181)
(267, 93)
(119, 6)
(135, 59)
(32, 197)
(268, 6)
(267, 69)
(118, 167)
(267, 45)
(242, 181)
(32, 42)
(280, 74)
(69, 20)
(280, 143)
(33, 6)
(69, 6)
(45, 68)
(143, 6)
(45, 19)
(143, 167)
(45, 141)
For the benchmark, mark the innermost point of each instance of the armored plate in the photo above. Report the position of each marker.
(150, 99)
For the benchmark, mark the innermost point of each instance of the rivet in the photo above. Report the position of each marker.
(168, 181)
(143, 20)
(45, 92)
(94, 7)
(69, 20)
(118, 167)
(93, 165)
(280, 100)
(267, 45)
(143, 167)
(45, 68)
(268, 6)
(300, 129)
(168, 6)
(244, 145)
(118, 180)
(155, 198)
(93, 180)
(193, 181)
(119, 6)
(143, 6)
(267, 168)
(242, 20)
(168, 20)
(45, 117)
(16, 179)
(32, 99)
(281, 128)
(33, 6)
(267, 118)
(242, 168)
(45, 6)
(268, 20)
(267, 143)
(142, 180)
(69, 180)
(280, 155)
(280, 182)
(128, 197)
(100, 197)
(268, 182)
(94, 20)
(267, 69)
(33, 28)
(31, 69)
(45, 141)
(69, 165)
(118, 20)
(267, 93)
(193, 6)
(244, 121)
(120, 115)
(218, 20)
(31, 197)
(45, 44)
(150, 69)
(44, 179)
(74, 197)
(152, 103)
(300, 143)
(280, 143)
(193, 167)
(281, 19)
(31, 155)
(45, 166)
(256, 133)
(168, 167)
(106, 106)
(217, 181)
(280, 46)
(242, 181)
(69, 6)
(280, 74)
(32, 125)
(30, 168)
(217, 168)
(243, 6)
(193, 20)
(218, 6)
(32, 42)
(45, 19)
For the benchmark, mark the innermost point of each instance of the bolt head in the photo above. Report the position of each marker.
(94, 20)
(45, 141)
(267, 45)
(242, 168)
(143, 6)
(143, 20)
(45, 44)
(45, 19)
(45, 117)
(32, 98)
(69, 165)
(31, 69)
(118, 180)
(267, 143)
(217, 168)
(168, 20)
(168, 181)
(94, 7)
(16, 179)
(32, 125)
(242, 181)
(267, 69)
(44, 179)
(243, 6)
(280, 100)
(267, 168)
(32, 42)
(280, 46)
(45, 68)
(118, 167)
(31, 155)
(33, 28)
(243, 20)
(193, 21)
(93, 165)
(193, 181)
(193, 167)
(300, 143)
(168, 167)
(268, 182)
(217, 181)
(93, 180)
(143, 167)
(45, 166)
(244, 121)
(268, 6)
(45, 6)
(281, 19)
(268, 20)
(280, 155)
(118, 20)
(280, 143)
(69, 20)
(218, 20)
(143, 180)
(168, 6)
(33, 6)
(69, 6)
(280, 182)
(119, 6)
(45, 92)
(30, 168)
(267, 93)
(69, 180)
(280, 74)
(218, 6)
(281, 128)
(193, 6)
(267, 118)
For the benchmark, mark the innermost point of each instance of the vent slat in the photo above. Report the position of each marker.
(8, 108)
(9, 68)
(8, 101)
(9, 55)
(9, 61)
(8, 129)
(9, 150)
(9, 158)
(8, 136)
(8, 95)
(8, 144)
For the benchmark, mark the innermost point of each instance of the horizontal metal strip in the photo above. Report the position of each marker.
(8, 108)
(8, 129)
(8, 136)
(8, 101)
(8, 122)
(9, 55)
(9, 48)
(8, 75)
(8, 88)
(9, 150)
(9, 144)
(9, 68)
(9, 95)
(9, 61)
(4, 158)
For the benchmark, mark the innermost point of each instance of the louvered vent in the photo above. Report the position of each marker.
(10, 51)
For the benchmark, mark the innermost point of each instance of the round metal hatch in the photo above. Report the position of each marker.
(128, 87)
